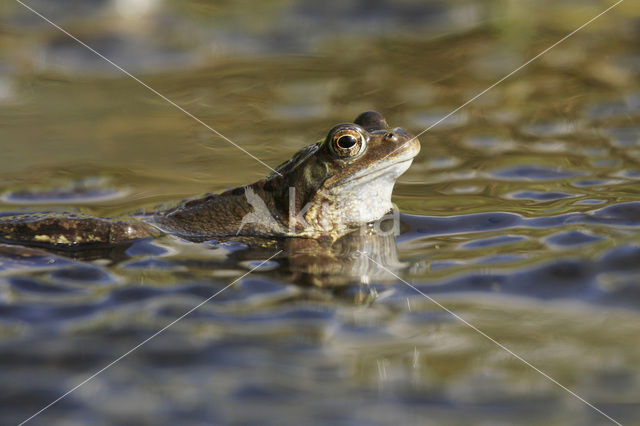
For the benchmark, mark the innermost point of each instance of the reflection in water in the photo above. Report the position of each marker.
(344, 262)
(521, 214)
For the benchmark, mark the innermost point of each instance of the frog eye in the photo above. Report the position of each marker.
(347, 143)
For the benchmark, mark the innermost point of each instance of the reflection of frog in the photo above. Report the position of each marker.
(325, 189)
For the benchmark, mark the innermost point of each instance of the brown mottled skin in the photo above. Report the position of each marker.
(69, 230)
(338, 184)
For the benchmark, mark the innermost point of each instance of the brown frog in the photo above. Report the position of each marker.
(325, 190)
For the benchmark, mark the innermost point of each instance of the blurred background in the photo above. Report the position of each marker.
(276, 75)
(560, 137)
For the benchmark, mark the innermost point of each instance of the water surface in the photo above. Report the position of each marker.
(521, 214)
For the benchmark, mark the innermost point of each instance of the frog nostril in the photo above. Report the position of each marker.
(390, 137)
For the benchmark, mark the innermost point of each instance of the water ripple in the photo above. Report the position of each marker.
(529, 172)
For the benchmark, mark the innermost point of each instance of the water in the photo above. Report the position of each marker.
(520, 215)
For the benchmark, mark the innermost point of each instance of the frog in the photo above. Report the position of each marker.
(324, 191)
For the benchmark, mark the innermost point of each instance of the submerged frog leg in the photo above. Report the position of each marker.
(69, 231)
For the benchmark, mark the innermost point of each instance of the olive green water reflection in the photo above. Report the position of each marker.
(560, 137)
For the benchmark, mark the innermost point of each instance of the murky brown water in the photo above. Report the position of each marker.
(522, 212)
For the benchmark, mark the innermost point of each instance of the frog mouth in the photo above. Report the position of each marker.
(401, 164)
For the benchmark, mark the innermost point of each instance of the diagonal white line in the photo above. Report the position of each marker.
(149, 88)
(500, 345)
(124, 355)
(506, 77)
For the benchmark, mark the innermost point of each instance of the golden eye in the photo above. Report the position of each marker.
(347, 143)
